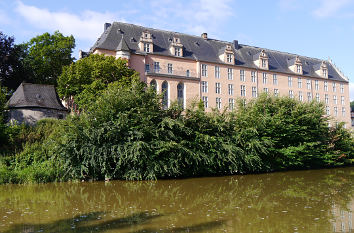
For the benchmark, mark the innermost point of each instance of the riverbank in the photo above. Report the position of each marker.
(126, 134)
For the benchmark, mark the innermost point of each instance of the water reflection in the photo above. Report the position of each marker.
(300, 201)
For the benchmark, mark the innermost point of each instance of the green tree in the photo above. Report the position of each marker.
(352, 106)
(12, 71)
(88, 77)
(3, 137)
(46, 56)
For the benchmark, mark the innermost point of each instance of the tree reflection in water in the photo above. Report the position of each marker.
(277, 202)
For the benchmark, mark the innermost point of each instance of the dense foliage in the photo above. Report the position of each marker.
(128, 135)
(47, 54)
(38, 61)
(86, 79)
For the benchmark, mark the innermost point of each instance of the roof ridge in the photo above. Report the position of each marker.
(163, 30)
(287, 53)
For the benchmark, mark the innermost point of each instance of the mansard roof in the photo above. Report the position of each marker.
(35, 95)
(207, 50)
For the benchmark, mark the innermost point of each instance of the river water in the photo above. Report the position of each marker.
(297, 201)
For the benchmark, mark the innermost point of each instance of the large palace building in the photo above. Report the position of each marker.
(186, 67)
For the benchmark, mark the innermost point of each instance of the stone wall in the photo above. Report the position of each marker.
(32, 115)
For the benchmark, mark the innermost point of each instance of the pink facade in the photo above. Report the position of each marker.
(219, 83)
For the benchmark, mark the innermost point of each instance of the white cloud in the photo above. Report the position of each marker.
(87, 25)
(195, 17)
(330, 7)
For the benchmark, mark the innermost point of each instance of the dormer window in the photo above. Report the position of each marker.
(145, 43)
(324, 71)
(178, 51)
(176, 47)
(321, 69)
(261, 60)
(147, 47)
(298, 68)
(227, 54)
(229, 58)
(295, 65)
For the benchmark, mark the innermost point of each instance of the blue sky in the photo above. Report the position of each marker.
(315, 28)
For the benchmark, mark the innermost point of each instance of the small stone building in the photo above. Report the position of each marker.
(33, 102)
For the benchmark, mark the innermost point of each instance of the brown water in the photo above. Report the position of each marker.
(300, 201)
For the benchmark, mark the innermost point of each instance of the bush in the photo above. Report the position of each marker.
(126, 134)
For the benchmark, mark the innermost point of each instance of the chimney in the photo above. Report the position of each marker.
(106, 25)
(236, 44)
(204, 35)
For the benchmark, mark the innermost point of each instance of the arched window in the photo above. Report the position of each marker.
(165, 95)
(180, 94)
(153, 84)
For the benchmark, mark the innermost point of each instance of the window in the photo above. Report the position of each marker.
(343, 111)
(324, 73)
(342, 100)
(316, 85)
(291, 94)
(157, 67)
(147, 47)
(264, 63)
(326, 98)
(242, 75)
(290, 81)
(308, 84)
(177, 51)
(275, 79)
(254, 91)
(205, 101)
(334, 87)
(218, 102)
(341, 88)
(180, 94)
(318, 97)
(298, 68)
(253, 76)
(204, 87)
(169, 68)
(229, 58)
(231, 103)
(230, 74)
(325, 85)
(188, 73)
(327, 110)
(265, 90)
(309, 96)
(165, 95)
(231, 89)
(335, 99)
(217, 88)
(204, 70)
(153, 84)
(336, 111)
(243, 90)
(276, 92)
(300, 96)
(147, 68)
(264, 78)
(217, 72)
(299, 82)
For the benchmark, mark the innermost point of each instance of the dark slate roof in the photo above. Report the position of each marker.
(208, 50)
(122, 46)
(35, 95)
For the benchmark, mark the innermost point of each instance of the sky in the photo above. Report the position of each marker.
(315, 28)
